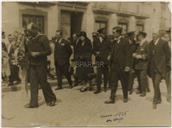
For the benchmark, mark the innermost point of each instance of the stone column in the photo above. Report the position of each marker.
(132, 24)
(149, 29)
(10, 17)
(112, 22)
(53, 20)
(88, 21)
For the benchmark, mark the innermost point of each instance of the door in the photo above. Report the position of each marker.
(76, 20)
(66, 24)
(70, 23)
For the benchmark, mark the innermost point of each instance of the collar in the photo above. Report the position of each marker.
(169, 43)
(36, 36)
(156, 42)
(130, 41)
(100, 38)
(118, 39)
(60, 40)
(142, 42)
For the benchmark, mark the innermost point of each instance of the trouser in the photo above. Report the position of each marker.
(38, 76)
(102, 70)
(63, 70)
(142, 80)
(131, 77)
(118, 74)
(168, 84)
(14, 76)
(25, 74)
(156, 78)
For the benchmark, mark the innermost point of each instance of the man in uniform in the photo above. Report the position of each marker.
(159, 53)
(62, 53)
(119, 65)
(101, 50)
(39, 49)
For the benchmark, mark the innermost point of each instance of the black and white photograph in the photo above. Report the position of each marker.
(85, 64)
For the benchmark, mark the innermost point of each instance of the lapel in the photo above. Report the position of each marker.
(156, 48)
(158, 45)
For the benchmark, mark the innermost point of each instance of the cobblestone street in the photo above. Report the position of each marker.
(85, 109)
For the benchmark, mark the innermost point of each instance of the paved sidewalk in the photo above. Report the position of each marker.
(85, 109)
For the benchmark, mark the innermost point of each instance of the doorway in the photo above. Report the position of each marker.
(71, 22)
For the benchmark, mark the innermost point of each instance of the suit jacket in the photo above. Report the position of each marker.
(120, 54)
(102, 50)
(132, 48)
(40, 44)
(74, 44)
(62, 52)
(83, 50)
(159, 57)
(142, 63)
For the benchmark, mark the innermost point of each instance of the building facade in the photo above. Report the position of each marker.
(73, 17)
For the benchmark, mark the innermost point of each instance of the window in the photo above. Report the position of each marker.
(124, 27)
(37, 19)
(99, 25)
(140, 27)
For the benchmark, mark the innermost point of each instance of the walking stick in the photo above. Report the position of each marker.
(26, 79)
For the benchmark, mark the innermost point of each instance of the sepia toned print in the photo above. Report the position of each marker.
(86, 64)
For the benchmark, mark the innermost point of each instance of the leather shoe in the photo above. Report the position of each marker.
(148, 90)
(159, 102)
(58, 88)
(52, 103)
(169, 100)
(143, 94)
(70, 86)
(110, 102)
(130, 92)
(97, 91)
(154, 106)
(83, 89)
(105, 89)
(125, 100)
(30, 106)
(138, 92)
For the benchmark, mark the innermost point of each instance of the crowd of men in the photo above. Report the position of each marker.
(117, 57)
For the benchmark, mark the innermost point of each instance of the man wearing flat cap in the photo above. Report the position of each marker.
(119, 65)
(101, 49)
(38, 50)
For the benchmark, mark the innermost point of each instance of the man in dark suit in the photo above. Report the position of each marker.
(101, 50)
(62, 53)
(159, 53)
(38, 50)
(141, 63)
(167, 37)
(119, 65)
(132, 49)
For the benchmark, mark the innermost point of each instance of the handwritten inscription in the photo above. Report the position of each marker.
(117, 117)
